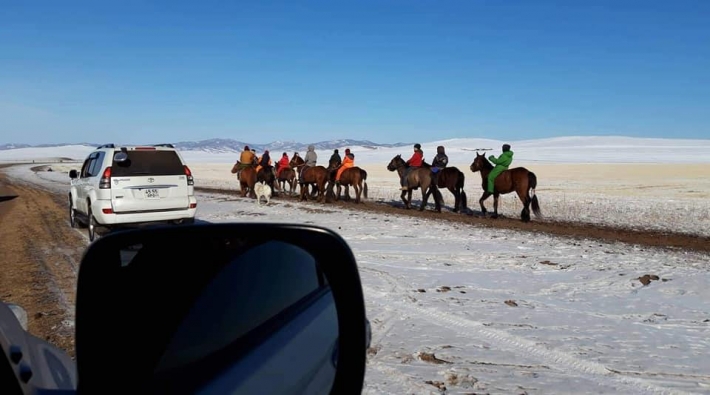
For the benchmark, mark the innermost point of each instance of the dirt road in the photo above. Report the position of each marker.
(39, 260)
(648, 238)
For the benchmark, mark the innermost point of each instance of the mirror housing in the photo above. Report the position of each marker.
(120, 156)
(73, 174)
(138, 289)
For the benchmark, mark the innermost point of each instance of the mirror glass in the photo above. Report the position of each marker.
(241, 309)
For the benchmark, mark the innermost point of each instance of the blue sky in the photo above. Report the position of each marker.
(386, 71)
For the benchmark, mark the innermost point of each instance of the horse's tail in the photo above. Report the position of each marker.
(462, 193)
(363, 173)
(532, 184)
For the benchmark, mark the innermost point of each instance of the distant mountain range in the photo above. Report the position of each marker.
(229, 145)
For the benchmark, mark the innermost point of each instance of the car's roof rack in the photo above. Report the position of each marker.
(106, 146)
(164, 145)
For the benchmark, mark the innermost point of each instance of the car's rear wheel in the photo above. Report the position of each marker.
(92, 225)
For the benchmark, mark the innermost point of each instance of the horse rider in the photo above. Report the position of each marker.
(441, 160)
(282, 164)
(348, 162)
(264, 161)
(310, 160)
(246, 159)
(502, 163)
(413, 163)
(335, 160)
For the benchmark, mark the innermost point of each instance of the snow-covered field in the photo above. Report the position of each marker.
(492, 311)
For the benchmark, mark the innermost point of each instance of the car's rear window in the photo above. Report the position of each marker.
(154, 163)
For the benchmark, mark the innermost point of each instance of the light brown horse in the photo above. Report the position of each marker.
(316, 176)
(518, 179)
(358, 180)
(417, 178)
(247, 180)
(356, 177)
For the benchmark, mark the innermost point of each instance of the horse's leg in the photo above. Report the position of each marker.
(358, 189)
(485, 196)
(321, 192)
(495, 205)
(525, 213)
(337, 194)
(409, 198)
(406, 205)
(426, 191)
(457, 198)
(304, 191)
(425, 198)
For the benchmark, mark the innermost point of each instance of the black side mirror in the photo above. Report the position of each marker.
(220, 308)
(73, 174)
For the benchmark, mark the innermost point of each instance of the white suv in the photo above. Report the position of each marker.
(131, 185)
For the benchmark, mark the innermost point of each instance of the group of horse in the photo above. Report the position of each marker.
(322, 182)
(319, 179)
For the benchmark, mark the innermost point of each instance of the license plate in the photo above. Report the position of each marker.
(151, 194)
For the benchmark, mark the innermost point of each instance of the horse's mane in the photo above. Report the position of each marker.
(487, 165)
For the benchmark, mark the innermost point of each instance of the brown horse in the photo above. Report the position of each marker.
(297, 164)
(355, 176)
(247, 180)
(452, 179)
(268, 176)
(417, 178)
(287, 175)
(518, 179)
(317, 176)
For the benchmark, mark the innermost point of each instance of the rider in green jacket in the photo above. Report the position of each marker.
(502, 163)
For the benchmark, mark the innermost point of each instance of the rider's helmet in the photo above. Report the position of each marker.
(246, 148)
(417, 146)
(347, 151)
(506, 147)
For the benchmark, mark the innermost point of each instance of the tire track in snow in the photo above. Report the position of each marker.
(559, 360)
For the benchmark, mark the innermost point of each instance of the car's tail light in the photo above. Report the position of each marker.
(193, 205)
(105, 182)
(188, 173)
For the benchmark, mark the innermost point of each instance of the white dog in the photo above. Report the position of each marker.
(261, 189)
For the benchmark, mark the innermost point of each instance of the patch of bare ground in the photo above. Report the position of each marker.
(647, 238)
(39, 260)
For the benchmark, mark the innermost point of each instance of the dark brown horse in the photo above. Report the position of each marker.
(315, 176)
(418, 178)
(517, 179)
(247, 179)
(452, 179)
(267, 175)
(287, 176)
(355, 176)
(297, 164)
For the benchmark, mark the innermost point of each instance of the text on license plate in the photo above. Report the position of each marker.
(151, 194)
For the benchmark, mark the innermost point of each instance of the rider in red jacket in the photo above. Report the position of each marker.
(282, 164)
(414, 162)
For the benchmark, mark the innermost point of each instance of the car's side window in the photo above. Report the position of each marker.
(85, 167)
(95, 168)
